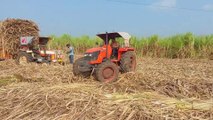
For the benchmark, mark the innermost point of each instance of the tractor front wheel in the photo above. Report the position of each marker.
(107, 72)
(23, 58)
(76, 67)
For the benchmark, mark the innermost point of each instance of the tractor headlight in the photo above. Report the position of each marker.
(88, 54)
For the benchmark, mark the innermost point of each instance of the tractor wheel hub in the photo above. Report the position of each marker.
(108, 72)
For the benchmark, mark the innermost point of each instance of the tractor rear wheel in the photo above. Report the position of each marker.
(76, 66)
(107, 72)
(128, 62)
(23, 58)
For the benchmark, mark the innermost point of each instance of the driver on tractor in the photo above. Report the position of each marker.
(115, 46)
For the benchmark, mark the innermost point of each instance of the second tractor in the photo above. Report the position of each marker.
(39, 54)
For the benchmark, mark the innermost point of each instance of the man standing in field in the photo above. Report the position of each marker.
(70, 53)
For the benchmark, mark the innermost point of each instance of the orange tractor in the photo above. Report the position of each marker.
(100, 62)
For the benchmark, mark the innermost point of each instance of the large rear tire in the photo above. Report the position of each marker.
(128, 62)
(76, 70)
(107, 72)
(24, 58)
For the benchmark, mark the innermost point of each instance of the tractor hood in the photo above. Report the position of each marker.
(95, 49)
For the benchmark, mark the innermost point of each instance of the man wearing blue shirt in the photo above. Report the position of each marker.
(70, 53)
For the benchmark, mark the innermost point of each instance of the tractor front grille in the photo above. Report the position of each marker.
(92, 56)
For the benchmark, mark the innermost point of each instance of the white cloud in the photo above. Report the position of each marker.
(208, 7)
(165, 3)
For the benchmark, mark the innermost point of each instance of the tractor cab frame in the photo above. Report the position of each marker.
(107, 37)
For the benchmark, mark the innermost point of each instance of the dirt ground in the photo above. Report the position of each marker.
(159, 89)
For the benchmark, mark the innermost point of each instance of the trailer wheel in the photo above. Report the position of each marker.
(23, 58)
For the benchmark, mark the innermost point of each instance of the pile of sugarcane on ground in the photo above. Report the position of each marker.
(159, 89)
(10, 32)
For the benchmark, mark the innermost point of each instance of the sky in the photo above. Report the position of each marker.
(137, 17)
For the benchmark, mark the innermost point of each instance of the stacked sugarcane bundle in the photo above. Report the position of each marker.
(10, 32)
